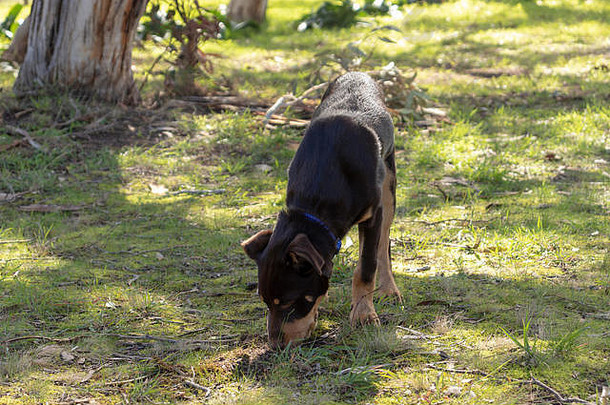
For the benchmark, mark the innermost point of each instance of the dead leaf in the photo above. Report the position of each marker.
(419, 269)
(50, 207)
(89, 375)
(8, 197)
(46, 355)
(446, 181)
(496, 72)
(263, 168)
(552, 156)
(159, 256)
(110, 304)
(432, 302)
(67, 357)
(14, 144)
(158, 189)
(605, 395)
(434, 111)
(453, 390)
(134, 278)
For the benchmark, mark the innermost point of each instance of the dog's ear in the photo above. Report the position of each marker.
(255, 245)
(301, 248)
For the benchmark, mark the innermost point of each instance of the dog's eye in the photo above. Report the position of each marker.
(284, 306)
(304, 269)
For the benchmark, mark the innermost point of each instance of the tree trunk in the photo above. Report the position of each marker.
(83, 46)
(247, 10)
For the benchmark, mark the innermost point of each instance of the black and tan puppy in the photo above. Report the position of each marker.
(342, 174)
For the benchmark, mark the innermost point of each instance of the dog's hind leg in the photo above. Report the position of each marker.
(363, 282)
(387, 286)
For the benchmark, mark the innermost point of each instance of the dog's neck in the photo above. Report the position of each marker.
(321, 235)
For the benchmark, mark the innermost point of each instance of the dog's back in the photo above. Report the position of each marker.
(357, 95)
(343, 152)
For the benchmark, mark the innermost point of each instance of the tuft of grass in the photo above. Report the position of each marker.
(526, 344)
(567, 344)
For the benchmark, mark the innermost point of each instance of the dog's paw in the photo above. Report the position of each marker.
(363, 314)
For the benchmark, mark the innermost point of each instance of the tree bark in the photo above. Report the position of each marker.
(247, 10)
(83, 46)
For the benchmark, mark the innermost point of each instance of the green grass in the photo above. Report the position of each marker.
(500, 245)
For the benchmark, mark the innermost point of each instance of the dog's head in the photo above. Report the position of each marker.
(292, 281)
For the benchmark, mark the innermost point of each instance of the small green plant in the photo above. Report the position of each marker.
(330, 15)
(402, 94)
(567, 343)
(235, 165)
(353, 56)
(182, 29)
(526, 344)
(42, 240)
(9, 25)
(345, 14)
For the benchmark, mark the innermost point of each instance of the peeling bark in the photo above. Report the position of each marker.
(83, 46)
(247, 10)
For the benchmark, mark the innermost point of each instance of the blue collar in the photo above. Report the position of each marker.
(318, 221)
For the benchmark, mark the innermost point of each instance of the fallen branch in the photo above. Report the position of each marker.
(170, 340)
(50, 207)
(34, 259)
(11, 241)
(415, 334)
(443, 221)
(198, 387)
(60, 125)
(458, 371)
(199, 192)
(363, 369)
(25, 134)
(124, 357)
(223, 101)
(93, 128)
(90, 374)
(121, 382)
(38, 337)
(10, 197)
(276, 119)
(289, 99)
(144, 337)
(442, 191)
(143, 252)
(557, 395)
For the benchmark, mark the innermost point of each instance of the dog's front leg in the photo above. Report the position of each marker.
(363, 282)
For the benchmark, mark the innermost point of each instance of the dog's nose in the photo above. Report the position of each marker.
(276, 343)
(274, 331)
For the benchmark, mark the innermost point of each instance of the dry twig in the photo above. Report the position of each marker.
(37, 337)
(25, 134)
(557, 395)
(199, 192)
(458, 371)
(290, 99)
(198, 387)
(11, 241)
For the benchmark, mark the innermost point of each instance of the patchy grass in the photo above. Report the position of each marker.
(130, 292)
